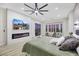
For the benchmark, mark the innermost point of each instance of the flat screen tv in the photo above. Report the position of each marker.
(19, 24)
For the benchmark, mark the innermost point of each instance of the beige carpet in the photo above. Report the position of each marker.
(13, 49)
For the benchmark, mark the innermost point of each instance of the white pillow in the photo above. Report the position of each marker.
(77, 49)
(77, 36)
(60, 40)
(53, 41)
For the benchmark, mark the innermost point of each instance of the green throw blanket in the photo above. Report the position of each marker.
(42, 47)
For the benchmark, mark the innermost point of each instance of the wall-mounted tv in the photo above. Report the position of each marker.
(19, 24)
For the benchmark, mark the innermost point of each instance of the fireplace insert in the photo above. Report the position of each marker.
(19, 35)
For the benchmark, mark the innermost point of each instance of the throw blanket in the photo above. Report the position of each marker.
(41, 47)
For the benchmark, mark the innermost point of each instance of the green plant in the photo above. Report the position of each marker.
(70, 33)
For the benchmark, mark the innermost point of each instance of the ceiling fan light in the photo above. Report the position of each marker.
(36, 11)
(56, 8)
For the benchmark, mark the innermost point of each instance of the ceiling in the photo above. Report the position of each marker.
(55, 10)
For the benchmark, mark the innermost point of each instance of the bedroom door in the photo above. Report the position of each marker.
(37, 29)
(3, 27)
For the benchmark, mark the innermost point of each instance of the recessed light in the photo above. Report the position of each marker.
(56, 8)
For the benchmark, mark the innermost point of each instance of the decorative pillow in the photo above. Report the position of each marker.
(77, 49)
(60, 41)
(53, 41)
(67, 37)
(69, 44)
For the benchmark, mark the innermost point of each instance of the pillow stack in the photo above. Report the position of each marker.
(70, 44)
(77, 49)
(57, 41)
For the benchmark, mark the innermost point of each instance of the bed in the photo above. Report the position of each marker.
(42, 47)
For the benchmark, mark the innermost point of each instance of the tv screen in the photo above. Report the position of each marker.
(19, 24)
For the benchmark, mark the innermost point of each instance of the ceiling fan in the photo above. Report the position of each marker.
(36, 10)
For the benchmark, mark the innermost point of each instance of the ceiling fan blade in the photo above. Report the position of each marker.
(43, 6)
(28, 10)
(36, 6)
(41, 13)
(32, 12)
(43, 10)
(28, 6)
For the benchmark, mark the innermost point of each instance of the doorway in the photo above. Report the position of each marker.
(3, 26)
(37, 29)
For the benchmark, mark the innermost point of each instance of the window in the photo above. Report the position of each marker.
(54, 27)
(54, 30)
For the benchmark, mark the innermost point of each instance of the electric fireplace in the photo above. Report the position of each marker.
(20, 35)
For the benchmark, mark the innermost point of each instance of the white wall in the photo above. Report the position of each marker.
(72, 18)
(10, 16)
(76, 17)
(76, 12)
(3, 26)
(43, 29)
(70, 22)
